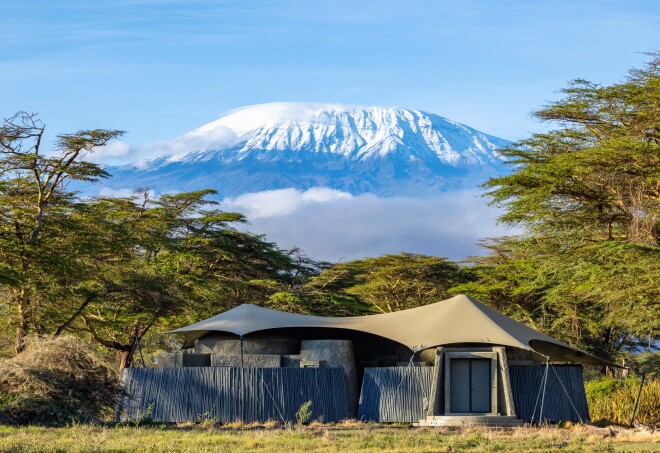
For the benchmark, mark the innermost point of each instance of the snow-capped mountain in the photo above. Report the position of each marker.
(387, 151)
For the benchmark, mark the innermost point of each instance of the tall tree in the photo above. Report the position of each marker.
(151, 263)
(587, 195)
(114, 268)
(389, 283)
(34, 205)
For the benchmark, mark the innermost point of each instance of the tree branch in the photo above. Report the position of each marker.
(108, 343)
(73, 317)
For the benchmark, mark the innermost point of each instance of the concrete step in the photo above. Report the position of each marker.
(470, 420)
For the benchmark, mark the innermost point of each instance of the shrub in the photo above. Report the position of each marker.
(613, 400)
(57, 381)
(304, 413)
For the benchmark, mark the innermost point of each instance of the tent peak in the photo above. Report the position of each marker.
(458, 320)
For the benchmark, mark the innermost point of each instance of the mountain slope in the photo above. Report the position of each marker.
(387, 151)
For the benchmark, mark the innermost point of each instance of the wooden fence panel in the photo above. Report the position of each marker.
(557, 406)
(229, 394)
(393, 395)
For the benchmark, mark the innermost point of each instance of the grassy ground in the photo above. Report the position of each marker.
(322, 438)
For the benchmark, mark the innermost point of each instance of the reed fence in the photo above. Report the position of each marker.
(394, 395)
(559, 404)
(227, 394)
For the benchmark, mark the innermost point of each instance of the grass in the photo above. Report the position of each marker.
(613, 400)
(349, 436)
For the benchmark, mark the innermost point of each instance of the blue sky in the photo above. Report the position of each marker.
(159, 68)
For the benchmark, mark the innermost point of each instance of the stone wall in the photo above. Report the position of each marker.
(179, 359)
(249, 360)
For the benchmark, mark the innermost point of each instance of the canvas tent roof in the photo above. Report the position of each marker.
(460, 319)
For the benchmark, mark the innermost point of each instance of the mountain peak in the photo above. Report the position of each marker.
(350, 132)
(352, 148)
(244, 119)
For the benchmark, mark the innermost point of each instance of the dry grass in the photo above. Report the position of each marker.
(56, 381)
(317, 437)
(613, 400)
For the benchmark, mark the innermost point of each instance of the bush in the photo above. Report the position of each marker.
(57, 381)
(613, 400)
(304, 413)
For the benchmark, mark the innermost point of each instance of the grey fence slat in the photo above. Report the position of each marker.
(396, 394)
(525, 383)
(191, 394)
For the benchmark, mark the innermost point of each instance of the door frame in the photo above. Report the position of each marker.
(493, 380)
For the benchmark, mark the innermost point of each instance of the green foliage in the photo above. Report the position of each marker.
(115, 268)
(647, 363)
(141, 418)
(599, 174)
(35, 246)
(613, 400)
(599, 296)
(206, 420)
(602, 387)
(58, 381)
(170, 260)
(388, 283)
(304, 413)
(587, 196)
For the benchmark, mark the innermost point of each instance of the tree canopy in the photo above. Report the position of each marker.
(34, 209)
(115, 267)
(587, 196)
(388, 283)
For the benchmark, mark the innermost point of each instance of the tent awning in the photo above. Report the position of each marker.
(460, 319)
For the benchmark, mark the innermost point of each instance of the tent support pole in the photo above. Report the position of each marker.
(639, 394)
(545, 382)
(242, 379)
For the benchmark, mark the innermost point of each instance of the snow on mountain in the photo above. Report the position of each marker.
(388, 151)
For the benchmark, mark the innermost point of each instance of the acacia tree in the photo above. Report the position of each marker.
(587, 195)
(34, 206)
(114, 268)
(389, 283)
(155, 263)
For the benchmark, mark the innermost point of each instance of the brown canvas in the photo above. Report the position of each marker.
(458, 320)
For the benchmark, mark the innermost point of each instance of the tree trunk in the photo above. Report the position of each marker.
(124, 351)
(124, 359)
(606, 346)
(22, 328)
(543, 315)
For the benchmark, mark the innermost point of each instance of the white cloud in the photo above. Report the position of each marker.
(107, 191)
(271, 203)
(121, 153)
(110, 192)
(112, 152)
(205, 138)
(334, 225)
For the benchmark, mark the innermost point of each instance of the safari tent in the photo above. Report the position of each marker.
(452, 362)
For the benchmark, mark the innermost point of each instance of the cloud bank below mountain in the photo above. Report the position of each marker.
(337, 226)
